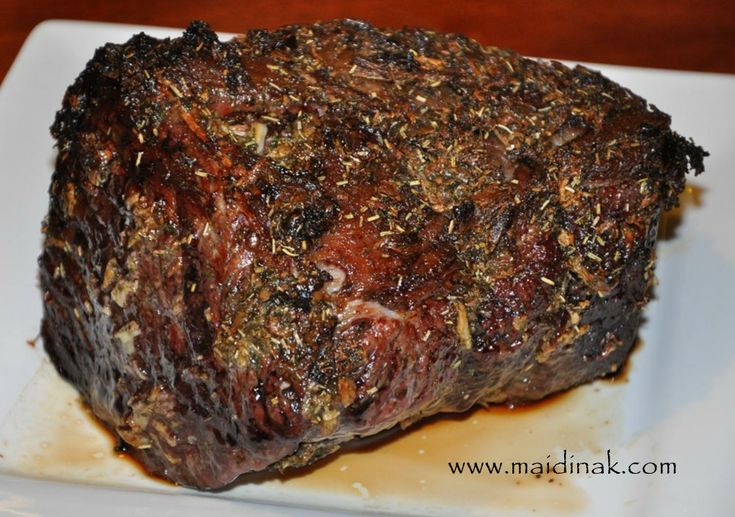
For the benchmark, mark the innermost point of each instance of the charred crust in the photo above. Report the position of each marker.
(199, 32)
(256, 249)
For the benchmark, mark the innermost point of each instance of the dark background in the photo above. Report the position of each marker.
(688, 35)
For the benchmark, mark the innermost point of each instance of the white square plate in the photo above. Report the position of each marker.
(675, 405)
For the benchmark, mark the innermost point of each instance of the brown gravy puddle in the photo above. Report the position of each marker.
(412, 466)
(49, 434)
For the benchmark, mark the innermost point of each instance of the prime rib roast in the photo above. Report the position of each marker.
(259, 249)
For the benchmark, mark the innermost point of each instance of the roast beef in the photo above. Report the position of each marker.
(259, 249)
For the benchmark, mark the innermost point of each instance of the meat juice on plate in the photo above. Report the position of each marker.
(50, 434)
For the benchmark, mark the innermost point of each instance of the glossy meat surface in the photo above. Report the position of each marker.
(259, 249)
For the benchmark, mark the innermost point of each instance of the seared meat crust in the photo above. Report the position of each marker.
(258, 249)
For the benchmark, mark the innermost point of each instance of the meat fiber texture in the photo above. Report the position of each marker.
(259, 249)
